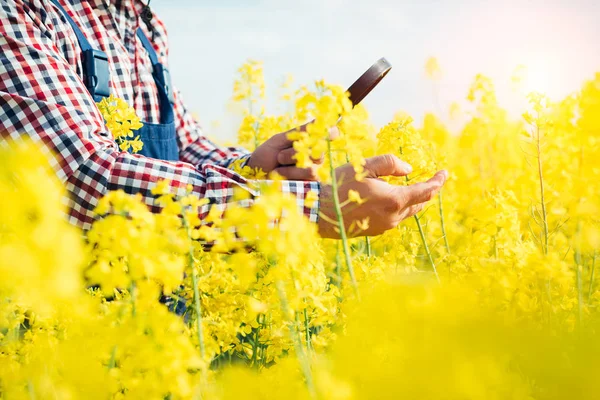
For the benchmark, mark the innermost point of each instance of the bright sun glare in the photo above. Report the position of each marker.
(538, 75)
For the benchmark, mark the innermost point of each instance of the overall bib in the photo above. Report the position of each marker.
(160, 140)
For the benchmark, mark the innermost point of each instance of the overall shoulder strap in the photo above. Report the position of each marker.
(83, 42)
(148, 46)
(160, 73)
(96, 75)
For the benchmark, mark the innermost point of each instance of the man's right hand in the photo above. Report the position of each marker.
(386, 205)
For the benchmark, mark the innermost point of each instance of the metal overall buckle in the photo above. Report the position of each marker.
(164, 76)
(96, 72)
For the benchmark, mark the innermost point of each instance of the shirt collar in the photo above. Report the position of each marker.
(131, 8)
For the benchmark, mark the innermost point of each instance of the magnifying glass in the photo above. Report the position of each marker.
(367, 81)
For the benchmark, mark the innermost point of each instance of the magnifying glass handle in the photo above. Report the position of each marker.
(367, 81)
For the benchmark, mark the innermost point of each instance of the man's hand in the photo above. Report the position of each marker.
(386, 205)
(277, 155)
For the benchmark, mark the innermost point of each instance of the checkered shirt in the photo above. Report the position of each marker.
(43, 97)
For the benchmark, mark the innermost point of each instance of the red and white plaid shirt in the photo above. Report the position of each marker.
(42, 96)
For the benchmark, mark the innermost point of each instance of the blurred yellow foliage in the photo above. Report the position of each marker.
(267, 309)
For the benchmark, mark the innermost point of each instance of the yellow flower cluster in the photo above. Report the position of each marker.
(250, 83)
(115, 260)
(36, 269)
(59, 339)
(402, 139)
(249, 302)
(257, 126)
(121, 120)
(324, 107)
(246, 171)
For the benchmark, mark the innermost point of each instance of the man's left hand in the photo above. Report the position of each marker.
(277, 155)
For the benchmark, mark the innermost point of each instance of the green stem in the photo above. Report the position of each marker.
(367, 239)
(592, 276)
(368, 243)
(255, 125)
(544, 240)
(307, 331)
(113, 358)
(542, 196)
(14, 334)
(31, 390)
(132, 295)
(256, 142)
(198, 309)
(340, 218)
(338, 265)
(255, 342)
(579, 277)
(441, 209)
(293, 328)
(197, 304)
(426, 247)
(263, 356)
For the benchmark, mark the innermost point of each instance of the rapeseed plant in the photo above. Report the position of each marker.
(251, 302)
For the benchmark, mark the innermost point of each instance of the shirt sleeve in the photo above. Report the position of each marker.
(42, 97)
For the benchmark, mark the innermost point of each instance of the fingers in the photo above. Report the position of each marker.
(424, 191)
(386, 165)
(282, 141)
(286, 157)
(412, 210)
(297, 174)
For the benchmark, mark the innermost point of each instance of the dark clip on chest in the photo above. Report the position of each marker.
(163, 76)
(96, 73)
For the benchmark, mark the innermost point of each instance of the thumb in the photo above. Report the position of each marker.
(386, 165)
(424, 191)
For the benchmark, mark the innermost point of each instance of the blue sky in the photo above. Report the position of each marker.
(338, 39)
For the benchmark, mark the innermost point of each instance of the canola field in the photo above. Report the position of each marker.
(491, 292)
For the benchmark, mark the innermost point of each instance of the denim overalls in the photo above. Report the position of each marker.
(160, 140)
